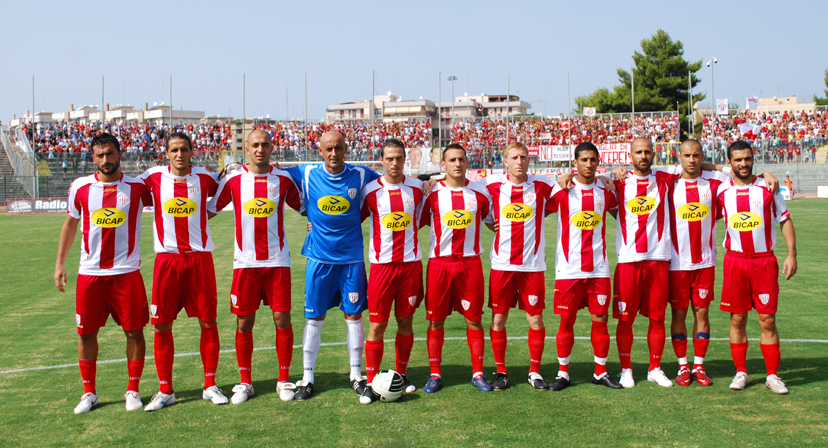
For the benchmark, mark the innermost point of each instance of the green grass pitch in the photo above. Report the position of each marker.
(37, 329)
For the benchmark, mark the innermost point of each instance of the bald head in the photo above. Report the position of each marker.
(641, 155)
(691, 158)
(690, 145)
(332, 148)
(259, 147)
(641, 142)
(258, 134)
(332, 136)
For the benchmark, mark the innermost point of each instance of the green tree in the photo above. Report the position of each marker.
(823, 101)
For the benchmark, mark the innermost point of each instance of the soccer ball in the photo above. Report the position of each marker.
(388, 384)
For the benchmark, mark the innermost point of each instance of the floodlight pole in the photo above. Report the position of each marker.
(244, 115)
(508, 93)
(439, 109)
(306, 111)
(34, 145)
(452, 79)
(569, 119)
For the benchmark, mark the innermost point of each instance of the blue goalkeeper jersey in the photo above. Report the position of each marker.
(333, 203)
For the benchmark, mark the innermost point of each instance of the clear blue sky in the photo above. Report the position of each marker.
(764, 48)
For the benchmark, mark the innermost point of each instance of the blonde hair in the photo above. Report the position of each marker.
(513, 145)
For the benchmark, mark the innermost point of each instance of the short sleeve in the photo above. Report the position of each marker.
(780, 209)
(554, 201)
(221, 198)
(75, 206)
(296, 173)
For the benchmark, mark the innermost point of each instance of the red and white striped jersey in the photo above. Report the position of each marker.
(693, 214)
(749, 214)
(643, 230)
(180, 209)
(582, 242)
(456, 218)
(520, 242)
(393, 211)
(110, 215)
(259, 209)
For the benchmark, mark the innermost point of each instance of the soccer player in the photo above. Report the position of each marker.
(751, 270)
(518, 259)
(335, 271)
(392, 203)
(109, 277)
(455, 210)
(582, 277)
(184, 276)
(261, 261)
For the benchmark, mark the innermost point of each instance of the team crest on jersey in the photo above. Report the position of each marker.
(693, 211)
(466, 304)
(273, 189)
(333, 205)
(193, 190)
(586, 220)
(517, 212)
(259, 207)
(352, 193)
(412, 300)
(744, 221)
(471, 203)
(602, 299)
(458, 219)
(108, 217)
(641, 205)
(408, 201)
(622, 306)
(396, 221)
(122, 199)
(353, 297)
(529, 197)
(180, 207)
(153, 310)
(533, 300)
(764, 298)
(78, 319)
(703, 293)
(233, 299)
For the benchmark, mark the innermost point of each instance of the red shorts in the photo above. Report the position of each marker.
(573, 294)
(183, 281)
(398, 284)
(123, 296)
(251, 286)
(640, 286)
(692, 285)
(750, 281)
(454, 283)
(507, 289)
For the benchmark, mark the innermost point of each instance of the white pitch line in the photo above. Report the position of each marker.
(331, 344)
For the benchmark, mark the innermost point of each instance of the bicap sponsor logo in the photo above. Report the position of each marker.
(744, 221)
(517, 212)
(396, 221)
(333, 205)
(586, 220)
(641, 205)
(180, 207)
(259, 207)
(108, 217)
(458, 219)
(693, 211)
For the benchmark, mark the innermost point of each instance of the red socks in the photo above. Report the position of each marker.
(624, 340)
(88, 368)
(434, 341)
(164, 351)
(373, 358)
(135, 369)
(477, 346)
(680, 347)
(537, 339)
(700, 351)
(403, 345)
(600, 346)
(210, 348)
(656, 337)
(739, 353)
(771, 354)
(244, 355)
(564, 341)
(499, 340)
(284, 351)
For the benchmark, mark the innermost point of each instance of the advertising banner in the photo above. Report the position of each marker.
(614, 154)
(28, 206)
(552, 153)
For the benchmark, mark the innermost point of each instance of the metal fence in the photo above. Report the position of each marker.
(20, 156)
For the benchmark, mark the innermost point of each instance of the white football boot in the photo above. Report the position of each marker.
(159, 401)
(133, 401)
(88, 401)
(657, 376)
(286, 390)
(214, 394)
(739, 381)
(776, 385)
(626, 378)
(241, 393)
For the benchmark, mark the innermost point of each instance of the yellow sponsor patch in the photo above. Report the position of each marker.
(259, 207)
(641, 205)
(693, 211)
(108, 217)
(586, 220)
(517, 212)
(744, 221)
(396, 221)
(180, 207)
(458, 219)
(333, 205)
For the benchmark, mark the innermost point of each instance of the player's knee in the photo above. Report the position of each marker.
(205, 324)
(499, 321)
(85, 338)
(281, 320)
(436, 325)
(163, 328)
(244, 324)
(136, 335)
(353, 316)
(767, 321)
(738, 320)
(535, 321)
